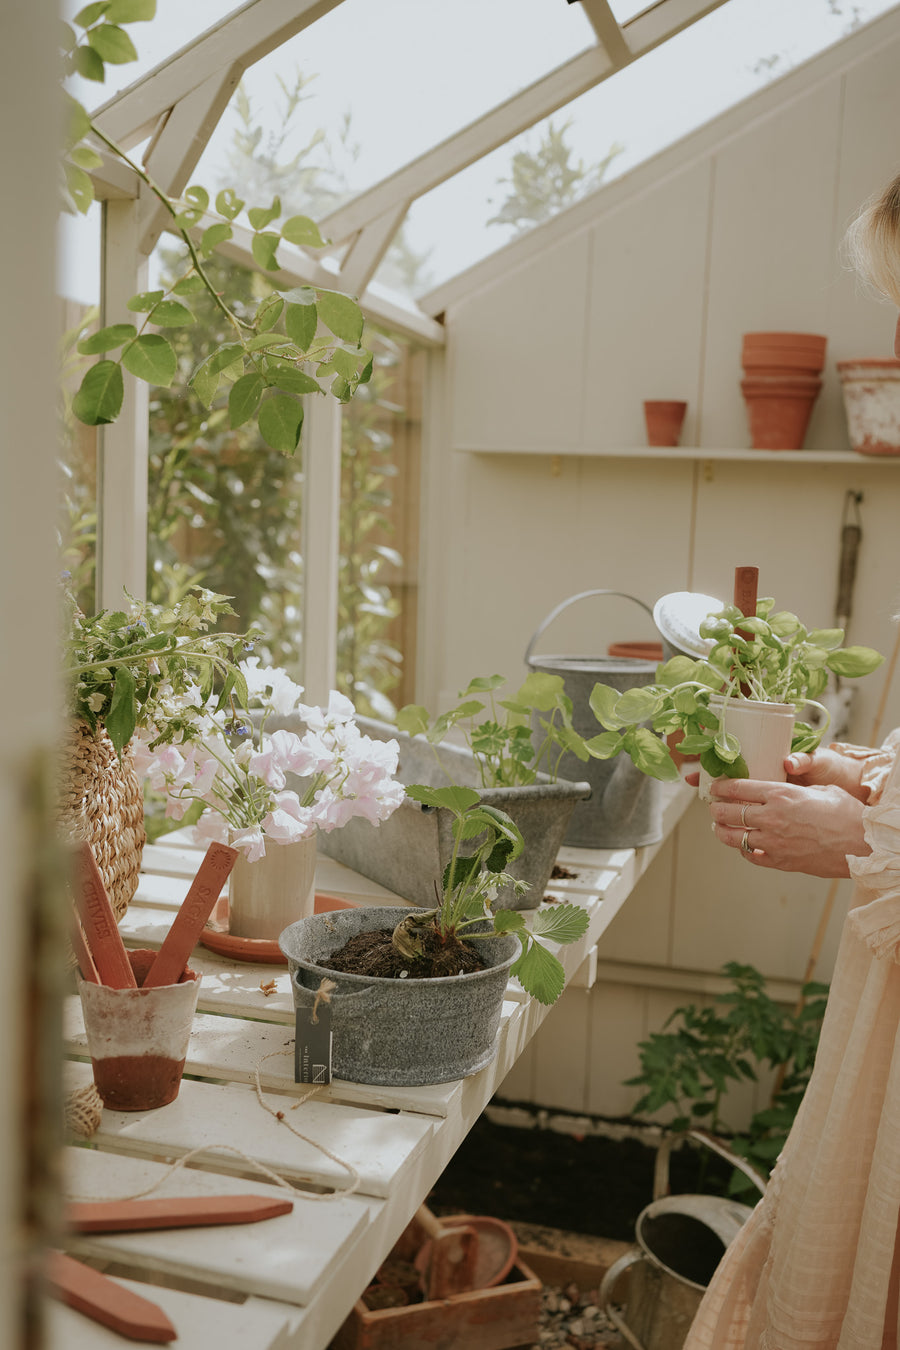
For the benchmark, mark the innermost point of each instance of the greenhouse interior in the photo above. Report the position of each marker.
(368, 924)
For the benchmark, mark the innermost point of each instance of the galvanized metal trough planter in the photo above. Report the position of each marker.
(408, 852)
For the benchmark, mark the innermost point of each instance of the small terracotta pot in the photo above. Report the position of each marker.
(664, 419)
(636, 651)
(871, 392)
(138, 1038)
(814, 343)
(779, 409)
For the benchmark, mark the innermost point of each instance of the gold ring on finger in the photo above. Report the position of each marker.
(744, 815)
(745, 843)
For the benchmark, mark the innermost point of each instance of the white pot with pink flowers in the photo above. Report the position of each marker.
(238, 770)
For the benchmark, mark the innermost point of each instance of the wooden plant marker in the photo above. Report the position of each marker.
(106, 1301)
(82, 950)
(182, 937)
(746, 585)
(104, 940)
(125, 1216)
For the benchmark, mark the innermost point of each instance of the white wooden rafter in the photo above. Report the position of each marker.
(179, 143)
(360, 263)
(244, 37)
(608, 30)
(516, 114)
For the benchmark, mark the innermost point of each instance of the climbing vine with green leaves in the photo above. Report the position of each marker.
(295, 342)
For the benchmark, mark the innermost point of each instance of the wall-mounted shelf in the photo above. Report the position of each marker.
(687, 452)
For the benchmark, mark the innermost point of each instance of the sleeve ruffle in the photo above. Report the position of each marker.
(878, 763)
(878, 922)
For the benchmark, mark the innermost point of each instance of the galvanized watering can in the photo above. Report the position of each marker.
(680, 1240)
(625, 806)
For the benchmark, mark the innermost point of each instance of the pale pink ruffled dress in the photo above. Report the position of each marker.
(812, 1268)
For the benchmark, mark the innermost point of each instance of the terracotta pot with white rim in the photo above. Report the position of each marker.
(871, 392)
(764, 730)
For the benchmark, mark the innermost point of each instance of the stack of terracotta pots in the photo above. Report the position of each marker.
(782, 379)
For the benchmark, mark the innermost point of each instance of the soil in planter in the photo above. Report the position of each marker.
(375, 954)
(589, 1184)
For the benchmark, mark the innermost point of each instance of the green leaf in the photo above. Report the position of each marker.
(225, 356)
(413, 719)
(280, 420)
(229, 204)
(122, 715)
(302, 231)
(604, 746)
(539, 973)
(639, 705)
(561, 923)
(78, 122)
(603, 701)
(85, 158)
(651, 755)
(854, 661)
(345, 362)
(214, 236)
(300, 322)
(91, 13)
(80, 187)
(197, 196)
(269, 313)
(341, 315)
(244, 399)
(89, 65)
(205, 383)
(113, 44)
(340, 389)
(144, 300)
(131, 11)
(151, 357)
(264, 248)
(99, 399)
(107, 339)
(189, 285)
(456, 799)
(295, 382)
(170, 314)
(509, 921)
(261, 216)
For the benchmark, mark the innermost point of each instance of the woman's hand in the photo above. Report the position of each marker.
(827, 767)
(810, 825)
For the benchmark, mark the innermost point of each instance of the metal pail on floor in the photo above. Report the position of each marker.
(679, 1242)
(625, 806)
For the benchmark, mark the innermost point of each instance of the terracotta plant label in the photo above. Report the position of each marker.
(106, 1301)
(191, 918)
(101, 930)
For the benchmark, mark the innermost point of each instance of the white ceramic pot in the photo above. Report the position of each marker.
(268, 895)
(764, 731)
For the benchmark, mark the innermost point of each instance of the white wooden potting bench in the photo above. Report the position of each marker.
(287, 1283)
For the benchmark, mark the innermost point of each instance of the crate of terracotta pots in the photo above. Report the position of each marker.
(451, 1281)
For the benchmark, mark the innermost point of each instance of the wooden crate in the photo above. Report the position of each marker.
(488, 1319)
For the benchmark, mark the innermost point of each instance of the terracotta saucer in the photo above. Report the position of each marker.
(496, 1253)
(263, 951)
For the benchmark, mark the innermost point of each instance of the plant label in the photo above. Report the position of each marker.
(312, 1045)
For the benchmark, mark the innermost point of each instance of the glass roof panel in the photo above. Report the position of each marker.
(382, 83)
(691, 78)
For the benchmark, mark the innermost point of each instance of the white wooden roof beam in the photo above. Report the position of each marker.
(508, 119)
(368, 248)
(245, 37)
(609, 32)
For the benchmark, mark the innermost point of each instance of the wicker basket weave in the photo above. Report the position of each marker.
(101, 801)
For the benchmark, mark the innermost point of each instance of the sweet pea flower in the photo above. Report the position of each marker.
(270, 687)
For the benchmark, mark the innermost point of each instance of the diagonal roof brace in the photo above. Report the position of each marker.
(609, 34)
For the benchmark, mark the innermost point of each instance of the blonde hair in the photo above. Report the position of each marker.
(873, 241)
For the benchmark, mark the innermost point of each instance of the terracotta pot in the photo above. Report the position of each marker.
(779, 409)
(664, 419)
(777, 353)
(268, 895)
(814, 343)
(138, 1038)
(872, 403)
(636, 651)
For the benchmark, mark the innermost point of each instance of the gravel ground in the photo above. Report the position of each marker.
(570, 1318)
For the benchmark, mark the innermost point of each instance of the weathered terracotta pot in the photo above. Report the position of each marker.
(872, 403)
(138, 1038)
(779, 409)
(664, 419)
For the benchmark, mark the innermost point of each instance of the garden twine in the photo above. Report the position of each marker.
(262, 1167)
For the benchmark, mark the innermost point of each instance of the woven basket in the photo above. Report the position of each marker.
(101, 801)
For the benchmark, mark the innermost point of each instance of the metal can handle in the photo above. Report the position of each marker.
(607, 1287)
(582, 595)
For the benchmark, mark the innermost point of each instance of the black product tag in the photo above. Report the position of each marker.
(312, 1046)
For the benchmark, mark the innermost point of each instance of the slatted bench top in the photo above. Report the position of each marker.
(289, 1282)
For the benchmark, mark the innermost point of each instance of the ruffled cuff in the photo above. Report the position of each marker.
(878, 922)
(877, 763)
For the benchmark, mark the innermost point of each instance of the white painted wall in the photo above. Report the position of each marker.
(643, 291)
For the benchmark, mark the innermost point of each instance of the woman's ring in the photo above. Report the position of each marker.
(745, 843)
(744, 815)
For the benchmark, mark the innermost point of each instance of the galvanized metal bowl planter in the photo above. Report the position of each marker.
(400, 1033)
(409, 850)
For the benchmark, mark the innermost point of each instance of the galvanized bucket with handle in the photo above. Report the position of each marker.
(625, 806)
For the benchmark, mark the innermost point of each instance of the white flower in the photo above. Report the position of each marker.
(96, 701)
(270, 687)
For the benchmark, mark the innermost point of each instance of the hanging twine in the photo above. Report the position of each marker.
(273, 1176)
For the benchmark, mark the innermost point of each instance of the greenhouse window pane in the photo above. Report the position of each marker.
(369, 87)
(676, 88)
